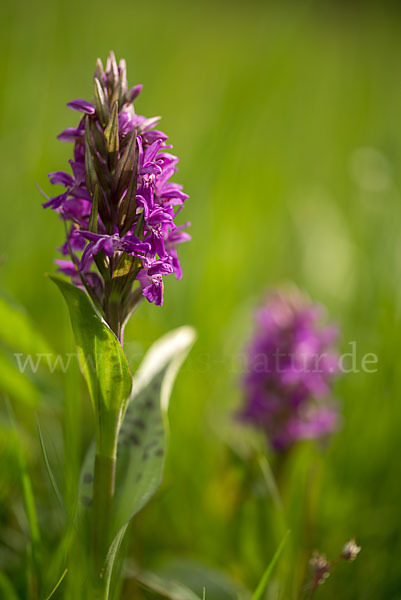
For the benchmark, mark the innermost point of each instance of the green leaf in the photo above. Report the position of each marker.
(112, 68)
(125, 167)
(93, 217)
(102, 107)
(127, 211)
(170, 588)
(122, 83)
(85, 490)
(101, 357)
(95, 172)
(111, 135)
(142, 439)
(260, 590)
(99, 68)
(197, 576)
(142, 432)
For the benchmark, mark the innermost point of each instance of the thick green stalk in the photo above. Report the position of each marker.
(103, 495)
(113, 317)
(103, 492)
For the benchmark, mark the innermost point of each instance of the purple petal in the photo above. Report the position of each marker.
(142, 201)
(149, 123)
(89, 235)
(160, 267)
(86, 257)
(132, 244)
(94, 248)
(165, 159)
(151, 169)
(140, 152)
(78, 168)
(154, 135)
(70, 134)
(125, 123)
(61, 178)
(177, 236)
(159, 216)
(133, 93)
(107, 245)
(56, 202)
(174, 193)
(156, 241)
(66, 266)
(82, 106)
(175, 263)
(154, 292)
(151, 152)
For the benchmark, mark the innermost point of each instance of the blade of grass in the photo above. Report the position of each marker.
(29, 501)
(258, 593)
(111, 558)
(57, 585)
(48, 467)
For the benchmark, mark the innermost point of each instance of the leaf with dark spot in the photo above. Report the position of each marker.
(140, 467)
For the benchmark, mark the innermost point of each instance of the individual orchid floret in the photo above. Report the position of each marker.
(119, 205)
(291, 363)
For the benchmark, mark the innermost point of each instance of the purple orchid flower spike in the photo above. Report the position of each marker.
(291, 363)
(119, 204)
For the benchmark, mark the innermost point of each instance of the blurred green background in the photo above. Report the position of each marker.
(286, 117)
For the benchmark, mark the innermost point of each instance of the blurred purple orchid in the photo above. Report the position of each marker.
(291, 363)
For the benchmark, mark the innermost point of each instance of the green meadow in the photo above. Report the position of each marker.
(287, 121)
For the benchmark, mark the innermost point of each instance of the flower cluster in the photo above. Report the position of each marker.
(291, 364)
(321, 567)
(119, 204)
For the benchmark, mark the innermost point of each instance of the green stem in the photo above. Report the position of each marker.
(103, 496)
(113, 317)
(103, 493)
